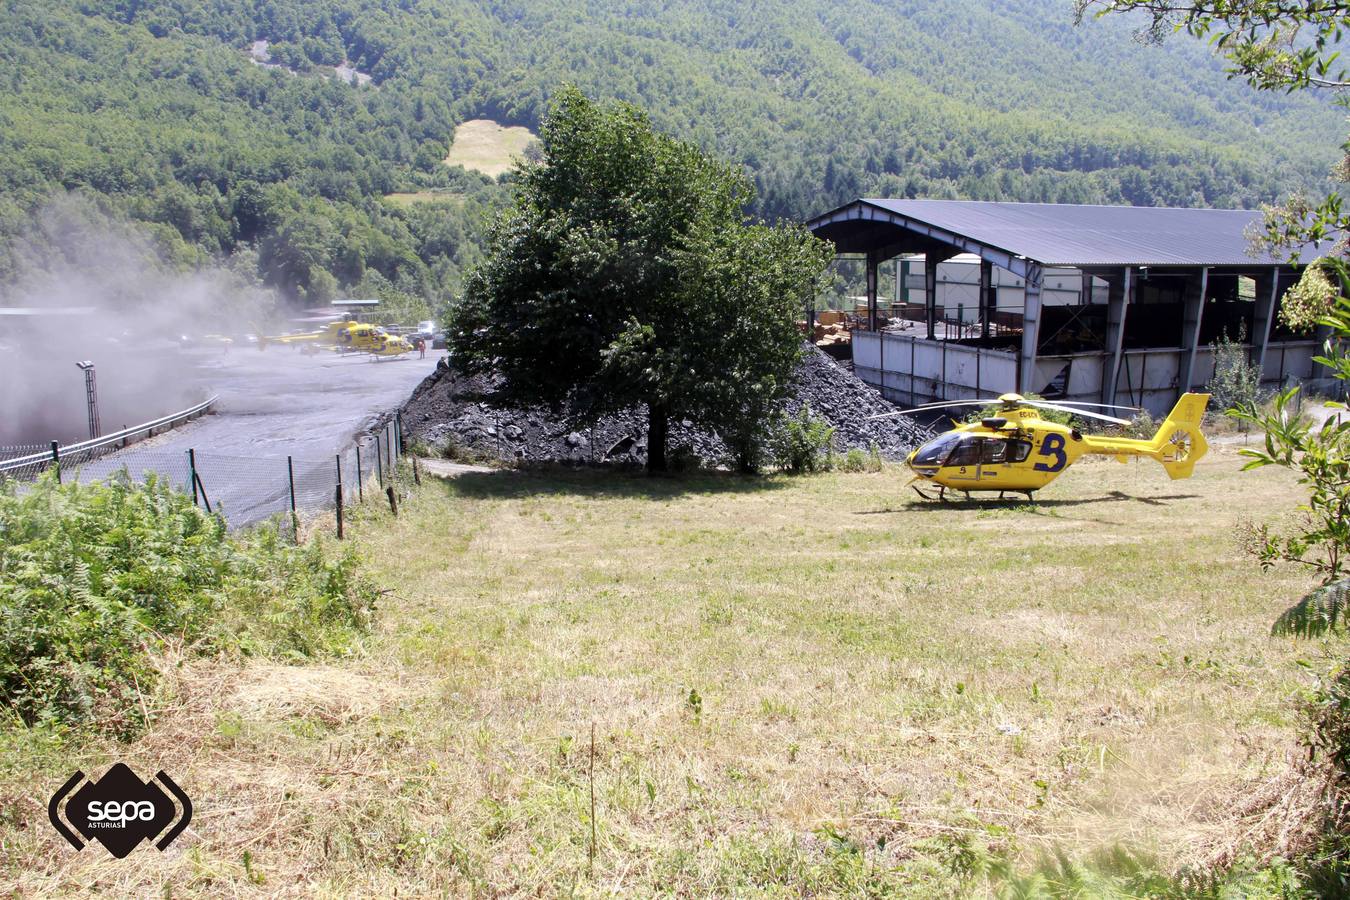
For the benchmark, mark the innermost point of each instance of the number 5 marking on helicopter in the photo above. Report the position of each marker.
(1053, 446)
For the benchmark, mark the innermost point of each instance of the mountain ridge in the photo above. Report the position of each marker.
(153, 110)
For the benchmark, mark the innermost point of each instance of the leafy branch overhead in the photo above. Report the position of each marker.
(1273, 44)
(1284, 45)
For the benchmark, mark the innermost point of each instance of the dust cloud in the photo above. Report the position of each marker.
(89, 288)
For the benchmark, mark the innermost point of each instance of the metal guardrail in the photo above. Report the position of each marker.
(120, 438)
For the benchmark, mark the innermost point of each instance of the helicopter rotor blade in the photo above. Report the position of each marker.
(930, 406)
(1077, 412)
(1097, 405)
(1068, 406)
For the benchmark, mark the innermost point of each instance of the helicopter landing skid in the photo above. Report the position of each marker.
(942, 494)
(1031, 496)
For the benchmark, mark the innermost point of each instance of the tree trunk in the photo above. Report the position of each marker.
(745, 457)
(658, 425)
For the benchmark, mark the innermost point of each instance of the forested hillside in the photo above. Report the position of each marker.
(155, 111)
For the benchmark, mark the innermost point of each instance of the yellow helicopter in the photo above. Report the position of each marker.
(333, 335)
(346, 337)
(390, 346)
(1017, 451)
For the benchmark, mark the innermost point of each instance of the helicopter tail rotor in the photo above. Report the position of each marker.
(1178, 445)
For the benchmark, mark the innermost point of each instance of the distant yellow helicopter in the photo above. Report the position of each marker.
(392, 345)
(333, 334)
(1018, 451)
(346, 337)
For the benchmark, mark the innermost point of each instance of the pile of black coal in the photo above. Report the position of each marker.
(449, 408)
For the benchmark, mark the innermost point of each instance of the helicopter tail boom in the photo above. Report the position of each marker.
(1178, 444)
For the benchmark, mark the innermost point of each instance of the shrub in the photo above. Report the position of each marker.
(95, 578)
(1142, 426)
(1236, 384)
(1327, 710)
(802, 443)
(683, 458)
(854, 461)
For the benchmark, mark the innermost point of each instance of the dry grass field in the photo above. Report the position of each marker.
(797, 685)
(484, 146)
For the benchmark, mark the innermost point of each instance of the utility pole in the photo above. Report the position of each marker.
(91, 397)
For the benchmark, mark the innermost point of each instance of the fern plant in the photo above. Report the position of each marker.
(94, 579)
(1317, 613)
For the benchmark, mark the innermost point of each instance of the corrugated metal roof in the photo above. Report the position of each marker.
(1059, 234)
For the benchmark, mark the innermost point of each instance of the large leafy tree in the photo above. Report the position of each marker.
(626, 274)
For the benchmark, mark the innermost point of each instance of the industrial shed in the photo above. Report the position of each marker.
(1115, 304)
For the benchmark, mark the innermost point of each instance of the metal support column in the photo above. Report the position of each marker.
(1031, 329)
(930, 264)
(871, 292)
(1117, 304)
(1264, 315)
(987, 296)
(1194, 310)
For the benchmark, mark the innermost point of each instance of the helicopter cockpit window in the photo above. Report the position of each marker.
(935, 452)
(967, 453)
(971, 450)
(994, 451)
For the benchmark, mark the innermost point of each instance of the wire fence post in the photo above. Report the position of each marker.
(337, 492)
(379, 462)
(192, 473)
(360, 490)
(56, 460)
(197, 480)
(295, 520)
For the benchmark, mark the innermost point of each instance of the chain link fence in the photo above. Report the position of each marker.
(17, 451)
(244, 490)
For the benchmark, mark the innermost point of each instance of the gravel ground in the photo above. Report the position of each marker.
(450, 408)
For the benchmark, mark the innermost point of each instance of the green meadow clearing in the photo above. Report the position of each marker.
(796, 685)
(483, 145)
